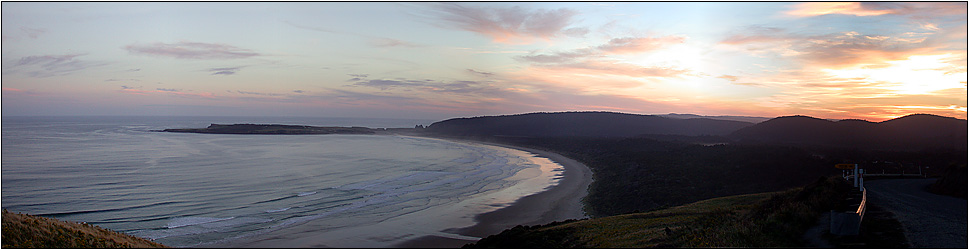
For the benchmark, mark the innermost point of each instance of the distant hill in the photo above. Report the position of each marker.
(912, 132)
(583, 124)
(271, 129)
(750, 119)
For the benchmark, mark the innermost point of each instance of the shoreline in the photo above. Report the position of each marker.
(560, 202)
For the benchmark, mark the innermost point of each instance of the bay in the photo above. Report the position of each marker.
(191, 190)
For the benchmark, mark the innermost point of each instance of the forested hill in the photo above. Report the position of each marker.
(583, 124)
(912, 132)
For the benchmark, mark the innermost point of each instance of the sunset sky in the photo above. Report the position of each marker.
(872, 61)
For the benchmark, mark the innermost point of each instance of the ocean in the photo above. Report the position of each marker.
(206, 190)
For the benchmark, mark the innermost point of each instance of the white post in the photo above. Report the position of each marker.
(856, 175)
(861, 180)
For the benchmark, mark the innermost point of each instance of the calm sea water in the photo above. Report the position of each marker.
(189, 190)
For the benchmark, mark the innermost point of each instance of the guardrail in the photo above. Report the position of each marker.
(849, 222)
(894, 175)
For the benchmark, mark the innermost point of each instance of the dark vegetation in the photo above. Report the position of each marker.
(952, 182)
(582, 124)
(765, 220)
(656, 170)
(918, 132)
(641, 174)
(750, 119)
(880, 229)
(26, 231)
(272, 129)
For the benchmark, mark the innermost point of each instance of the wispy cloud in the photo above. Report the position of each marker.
(634, 45)
(389, 42)
(168, 92)
(757, 34)
(255, 93)
(225, 71)
(33, 33)
(512, 24)
(836, 49)
(50, 65)
(852, 48)
(480, 73)
(625, 45)
(558, 57)
(596, 60)
(191, 50)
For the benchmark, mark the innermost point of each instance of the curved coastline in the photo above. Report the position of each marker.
(557, 203)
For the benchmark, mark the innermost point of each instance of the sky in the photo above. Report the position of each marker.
(843, 60)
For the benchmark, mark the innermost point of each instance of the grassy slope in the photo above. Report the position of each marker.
(26, 231)
(764, 220)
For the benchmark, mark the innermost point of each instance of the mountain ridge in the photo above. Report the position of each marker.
(915, 131)
(910, 132)
(583, 124)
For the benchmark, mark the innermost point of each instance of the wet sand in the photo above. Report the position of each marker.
(558, 203)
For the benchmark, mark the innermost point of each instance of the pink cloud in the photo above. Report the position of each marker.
(511, 25)
(595, 61)
(191, 50)
(912, 9)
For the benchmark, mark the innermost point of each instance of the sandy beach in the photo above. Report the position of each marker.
(558, 203)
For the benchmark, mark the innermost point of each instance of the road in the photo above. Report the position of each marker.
(929, 220)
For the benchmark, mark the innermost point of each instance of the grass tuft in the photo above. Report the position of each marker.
(26, 231)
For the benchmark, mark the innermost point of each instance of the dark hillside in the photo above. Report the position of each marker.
(909, 133)
(929, 131)
(640, 174)
(750, 119)
(582, 124)
(27, 231)
(766, 220)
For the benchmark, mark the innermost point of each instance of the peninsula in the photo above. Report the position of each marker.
(272, 129)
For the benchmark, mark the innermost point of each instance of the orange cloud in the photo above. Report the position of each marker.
(844, 8)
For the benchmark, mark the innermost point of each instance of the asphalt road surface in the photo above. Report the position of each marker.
(929, 220)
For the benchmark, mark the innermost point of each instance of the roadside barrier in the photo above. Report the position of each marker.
(849, 222)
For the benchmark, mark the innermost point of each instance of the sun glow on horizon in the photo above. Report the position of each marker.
(916, 75)
(438, 60)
